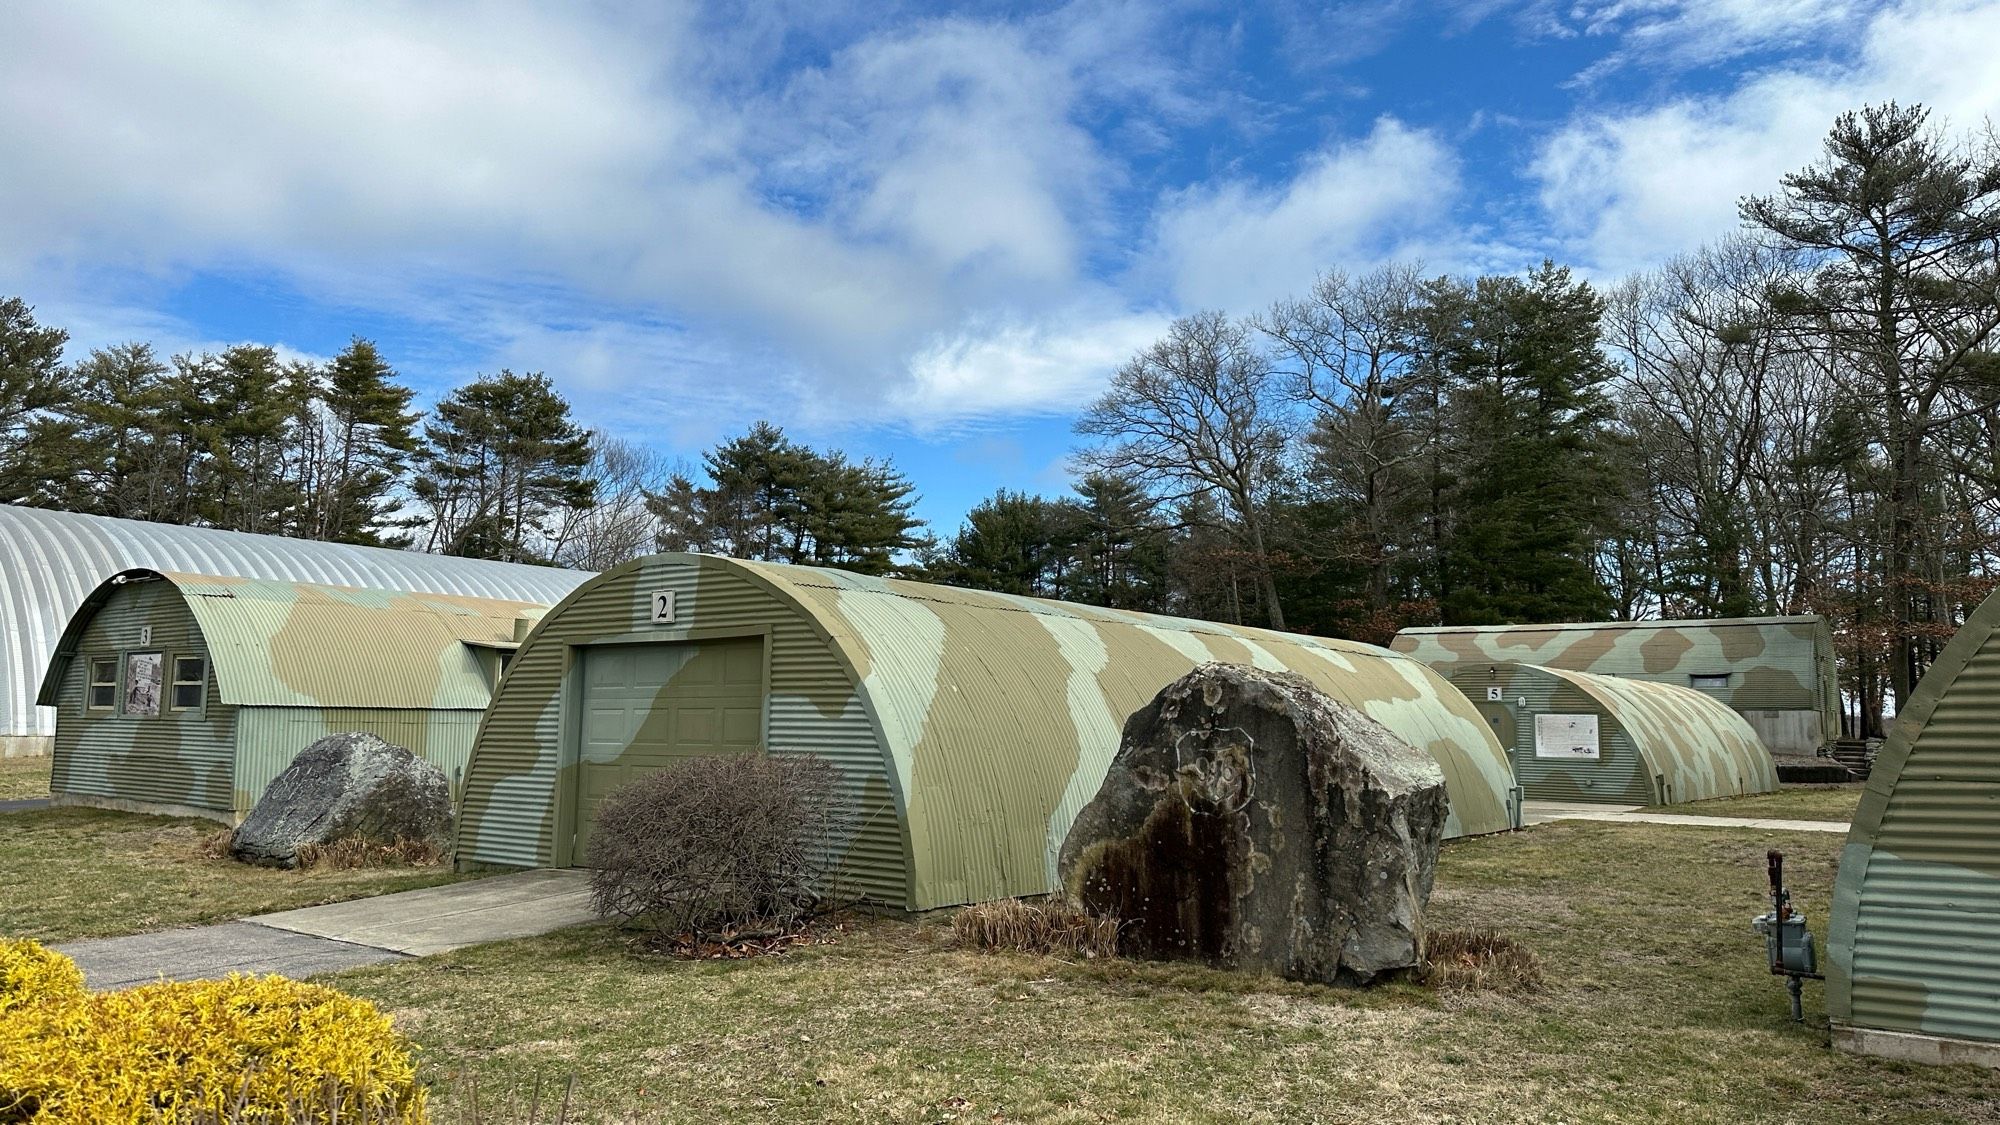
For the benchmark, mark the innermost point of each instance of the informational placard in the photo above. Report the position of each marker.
(1566, 736)
(143, 677)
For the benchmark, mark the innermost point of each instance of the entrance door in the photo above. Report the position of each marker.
(1501, 720)
(646, 707)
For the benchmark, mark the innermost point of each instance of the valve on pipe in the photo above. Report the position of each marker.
(1788, 945)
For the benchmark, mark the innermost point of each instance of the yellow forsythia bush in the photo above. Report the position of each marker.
(29, 973)
(237, 1050)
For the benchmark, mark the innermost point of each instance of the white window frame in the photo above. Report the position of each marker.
(91, 683)
(200, 684)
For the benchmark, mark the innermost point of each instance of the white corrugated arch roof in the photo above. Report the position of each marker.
(50, 561)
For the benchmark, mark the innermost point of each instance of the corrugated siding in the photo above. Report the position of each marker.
(1618, 776)
(175, 758)
(1916, 928)
(268, 738)
(513, 781)
(49, 561)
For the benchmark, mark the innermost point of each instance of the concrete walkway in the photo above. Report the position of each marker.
(1541, 812)
(323, 939)
(24, 804)
(437, 919)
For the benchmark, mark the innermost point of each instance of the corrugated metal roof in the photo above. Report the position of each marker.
(1914, 940)
(302, 644)
(50, 561)
(1700, 748)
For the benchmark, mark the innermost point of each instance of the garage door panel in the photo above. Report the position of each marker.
(649, 707)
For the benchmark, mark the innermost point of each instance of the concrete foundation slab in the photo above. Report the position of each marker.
(1934, 1050)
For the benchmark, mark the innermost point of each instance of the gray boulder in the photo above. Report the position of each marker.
(346, 785)
(1252, 822)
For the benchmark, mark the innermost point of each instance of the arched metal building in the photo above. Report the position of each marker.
(1914, 941)
(969, 727)
(188, 693)
(1777, 672)
(1574, 736)
(49, 561)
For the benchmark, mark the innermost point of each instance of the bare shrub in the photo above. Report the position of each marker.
(1478, 960)
(1050, 926)
(354, 852)
(716, 848)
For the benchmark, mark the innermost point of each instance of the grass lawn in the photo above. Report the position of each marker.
(74, 873)
(24, 777)
(1790, 802)
(1657, 1008)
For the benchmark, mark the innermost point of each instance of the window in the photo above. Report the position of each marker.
(103, 688)
(1717, 681)
(190, 677)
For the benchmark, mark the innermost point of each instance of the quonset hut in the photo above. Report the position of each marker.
(187, 694)
(1575, 736)
(969, 728)
(49, 561)
(1913, 947)
(1777, 672)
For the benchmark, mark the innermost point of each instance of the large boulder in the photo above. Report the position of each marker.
(1252, 822)
(343, 786)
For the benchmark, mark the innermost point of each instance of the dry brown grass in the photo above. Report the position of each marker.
(1478, 960)
(355, 853)
(1045, 927)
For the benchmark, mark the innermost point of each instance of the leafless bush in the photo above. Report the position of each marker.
(1035, 927)
(356, 852)
(1478, 960)
(715, 848)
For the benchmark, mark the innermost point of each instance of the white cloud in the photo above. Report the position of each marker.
(1688, 33)
(1046, 367)
(1623, 190)
(389, 155)
(1236, 245)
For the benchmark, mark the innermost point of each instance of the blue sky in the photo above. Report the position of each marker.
(909, 232)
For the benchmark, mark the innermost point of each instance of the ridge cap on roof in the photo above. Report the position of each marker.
(1636, 623)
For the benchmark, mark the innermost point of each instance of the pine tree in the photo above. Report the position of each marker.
(1528, 502)
(362, 435)
(501, 457)
(32, 381)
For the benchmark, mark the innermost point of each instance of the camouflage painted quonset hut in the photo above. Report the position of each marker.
(1777, 672)
(969, 727)
(1576, 736)
(188, 693)
(49, 561)
(1914, 939)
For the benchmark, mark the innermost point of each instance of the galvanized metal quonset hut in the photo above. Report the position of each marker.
(49, 561)
(969, 728)
(1914, 941)
(1575, 736)
(1777, 672)
(187, 693)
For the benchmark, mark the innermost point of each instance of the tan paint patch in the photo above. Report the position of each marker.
(1662, 652)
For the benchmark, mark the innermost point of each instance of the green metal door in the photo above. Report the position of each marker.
(647, 707)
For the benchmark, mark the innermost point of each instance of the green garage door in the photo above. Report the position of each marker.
(649, 706)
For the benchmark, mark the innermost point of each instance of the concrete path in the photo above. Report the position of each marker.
(436, 919)
(24, 804)
(341, 935)
(1541, 812)
(210, 952)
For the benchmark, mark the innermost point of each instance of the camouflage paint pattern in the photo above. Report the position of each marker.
(1781, 669)
(977, 725)
(1914, 937)
(286, 663)
(1659, 743)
